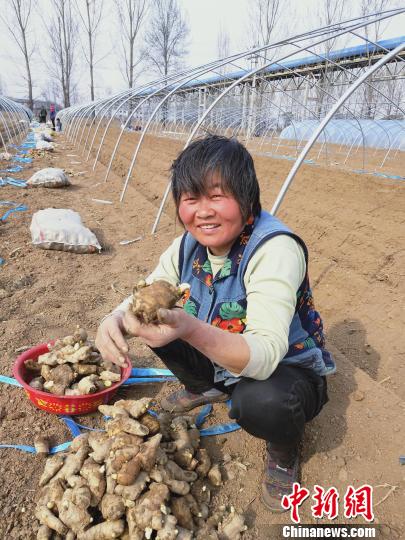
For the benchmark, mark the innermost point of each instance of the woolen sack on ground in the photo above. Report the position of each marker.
(62, 229)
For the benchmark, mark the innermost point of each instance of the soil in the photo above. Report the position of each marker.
(354, 228)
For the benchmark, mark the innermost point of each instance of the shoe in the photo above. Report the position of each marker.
(183, 401)
(281, 472)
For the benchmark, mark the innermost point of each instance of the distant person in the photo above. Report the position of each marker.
(58, 125)
(52, 115)
(42, 115)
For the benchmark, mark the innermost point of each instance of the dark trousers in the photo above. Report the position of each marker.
(274, 409)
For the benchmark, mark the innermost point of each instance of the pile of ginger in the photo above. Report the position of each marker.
(144, 477)
(72, 367)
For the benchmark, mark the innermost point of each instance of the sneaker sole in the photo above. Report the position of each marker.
(271, 503)
(170, 407)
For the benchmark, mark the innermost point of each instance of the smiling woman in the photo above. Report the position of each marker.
(249, 327)
(214, 219)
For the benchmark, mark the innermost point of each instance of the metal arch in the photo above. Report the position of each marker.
(261, 78)
(131, 96)
(3, 118)
(102, 112)
(15, 119)
(252, 72)
(326, 120)
(197, 72)
(10, 109)
(399, 133)
(301, 37)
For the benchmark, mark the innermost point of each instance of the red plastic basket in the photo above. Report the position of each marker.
(62, 404)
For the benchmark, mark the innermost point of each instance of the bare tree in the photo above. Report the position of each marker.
(166, 37)
(16, 15)
(264, 15)
(223, 46)
(91, 20)
(131, 14)
(63, 36)
(373, 32)
(329, 13)
(223, 43)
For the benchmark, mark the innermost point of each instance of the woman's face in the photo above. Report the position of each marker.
(213, 219)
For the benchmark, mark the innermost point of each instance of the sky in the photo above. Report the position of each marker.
(205, 19)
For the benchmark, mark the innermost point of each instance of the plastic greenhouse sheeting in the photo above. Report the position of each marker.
(373, 133)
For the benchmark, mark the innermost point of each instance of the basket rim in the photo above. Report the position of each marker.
(42, 348)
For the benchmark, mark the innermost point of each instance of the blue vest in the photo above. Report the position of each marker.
(220, 300)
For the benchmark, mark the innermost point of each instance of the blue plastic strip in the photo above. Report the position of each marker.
(8, 181)
(9, 380)
(220, 429)
(17, 159)
(17, 168)
(27, 145)
(20, 208)
(149, 372)
(202, 415)
(60, 447)
(31, 449)
(2, 261)
(382, 175)
(88, 428)
(23, 447)
(402, 460)
(146, 380)
(71, 424)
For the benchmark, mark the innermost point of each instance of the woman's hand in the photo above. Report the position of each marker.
(110, 339)
(176, 324)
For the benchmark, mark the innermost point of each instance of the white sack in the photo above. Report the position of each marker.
(44, 145)
(49, 177)
(43, 136)
(62, 229)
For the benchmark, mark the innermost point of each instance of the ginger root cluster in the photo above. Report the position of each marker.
(148, 299)
(144, 477)
(72, 367)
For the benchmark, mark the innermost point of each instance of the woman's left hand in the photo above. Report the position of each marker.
(176, 324)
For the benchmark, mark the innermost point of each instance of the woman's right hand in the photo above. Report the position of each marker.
(110, 339)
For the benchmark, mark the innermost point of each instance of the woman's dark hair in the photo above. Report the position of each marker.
(226, 157)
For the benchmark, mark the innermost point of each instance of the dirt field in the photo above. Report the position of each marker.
(354, 227)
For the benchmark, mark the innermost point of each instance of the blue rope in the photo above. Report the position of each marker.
(17, 168)
(31, 449)
(18, 208)
(9, 380)
(17, 159)
(12, 182)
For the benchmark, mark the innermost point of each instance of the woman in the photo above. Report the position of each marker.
(248, 327)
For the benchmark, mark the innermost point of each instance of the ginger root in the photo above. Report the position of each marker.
(104, 531)
(148, 299)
